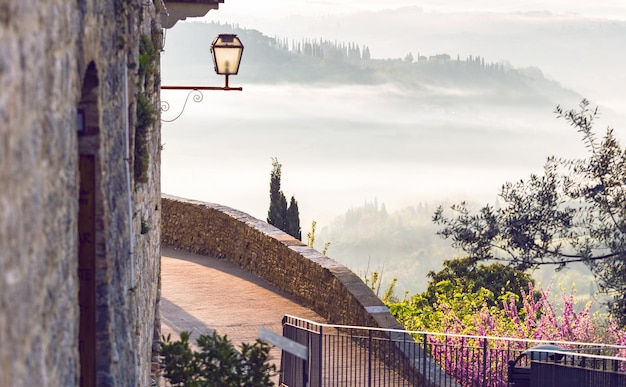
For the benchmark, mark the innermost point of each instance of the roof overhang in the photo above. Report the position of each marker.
(175, 10)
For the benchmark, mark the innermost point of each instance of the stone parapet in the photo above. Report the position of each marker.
(311, 278)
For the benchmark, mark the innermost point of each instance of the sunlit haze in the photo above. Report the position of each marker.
(593, 75)
(344, 144)
(274, 9)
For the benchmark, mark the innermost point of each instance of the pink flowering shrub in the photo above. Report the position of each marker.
(528, 316)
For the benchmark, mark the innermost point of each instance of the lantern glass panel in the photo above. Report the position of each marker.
(226, 51)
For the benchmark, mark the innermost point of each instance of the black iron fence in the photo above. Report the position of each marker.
(361, 356)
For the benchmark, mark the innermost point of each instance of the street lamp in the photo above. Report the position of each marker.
(226, 50)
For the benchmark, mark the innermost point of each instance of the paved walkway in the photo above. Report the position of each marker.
(201, 294)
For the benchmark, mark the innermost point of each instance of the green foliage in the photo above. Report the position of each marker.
(311, 235)
(469, 275)
(325, 249)
(574, 212)
(293, 220)
(375, 282)
(286, 218)
(523, 315)
(217, 364)
(146, 115)
(311, 238)
(145, 119)
(462, 287)
(276, 215)
(147, 57)
(144, 226)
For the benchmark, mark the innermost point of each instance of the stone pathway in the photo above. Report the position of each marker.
(200, 294)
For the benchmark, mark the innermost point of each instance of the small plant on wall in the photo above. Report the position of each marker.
(145, 120)
(147, 61)
(145, 228)
(145, 108)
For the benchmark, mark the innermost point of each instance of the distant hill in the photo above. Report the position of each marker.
(401, 244)
(322, 62)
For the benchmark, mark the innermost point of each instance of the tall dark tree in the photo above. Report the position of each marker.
(279, 214)
(575, 212)
(293, 220)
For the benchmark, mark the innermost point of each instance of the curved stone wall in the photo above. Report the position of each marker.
(311, 278)
(314, 280)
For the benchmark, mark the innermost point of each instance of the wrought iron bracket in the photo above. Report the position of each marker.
(195, 92)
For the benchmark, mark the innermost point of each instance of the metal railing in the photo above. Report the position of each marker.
(574, 369)
(362, 356)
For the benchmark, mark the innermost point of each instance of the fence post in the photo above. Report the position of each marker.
(424, 357)
(485, 362)
(369, 358)
(320, 358)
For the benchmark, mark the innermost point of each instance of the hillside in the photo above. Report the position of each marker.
(268, 60)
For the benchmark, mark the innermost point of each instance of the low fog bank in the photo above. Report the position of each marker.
(342, 146)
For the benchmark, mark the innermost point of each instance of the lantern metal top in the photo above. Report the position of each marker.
(226, 50)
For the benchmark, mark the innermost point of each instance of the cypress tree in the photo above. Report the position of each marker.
(293, 220)
(279, 214)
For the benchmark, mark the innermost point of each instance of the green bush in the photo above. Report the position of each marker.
(218, 363)
(145, 119)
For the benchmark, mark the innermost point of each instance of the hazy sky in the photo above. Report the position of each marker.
(457, 27)
(615, 9)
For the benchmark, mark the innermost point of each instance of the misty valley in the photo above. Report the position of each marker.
(369, 147)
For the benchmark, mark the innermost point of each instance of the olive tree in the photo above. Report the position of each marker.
(574, 212)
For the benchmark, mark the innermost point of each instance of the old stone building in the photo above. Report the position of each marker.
(80, 190)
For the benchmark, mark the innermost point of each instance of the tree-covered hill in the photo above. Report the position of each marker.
(318, 61)
(402, 244)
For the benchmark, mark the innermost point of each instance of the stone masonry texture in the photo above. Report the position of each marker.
(47, 48)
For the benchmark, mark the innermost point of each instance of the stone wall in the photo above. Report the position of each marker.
(146, 214)
(314, 280)
(57, 57)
